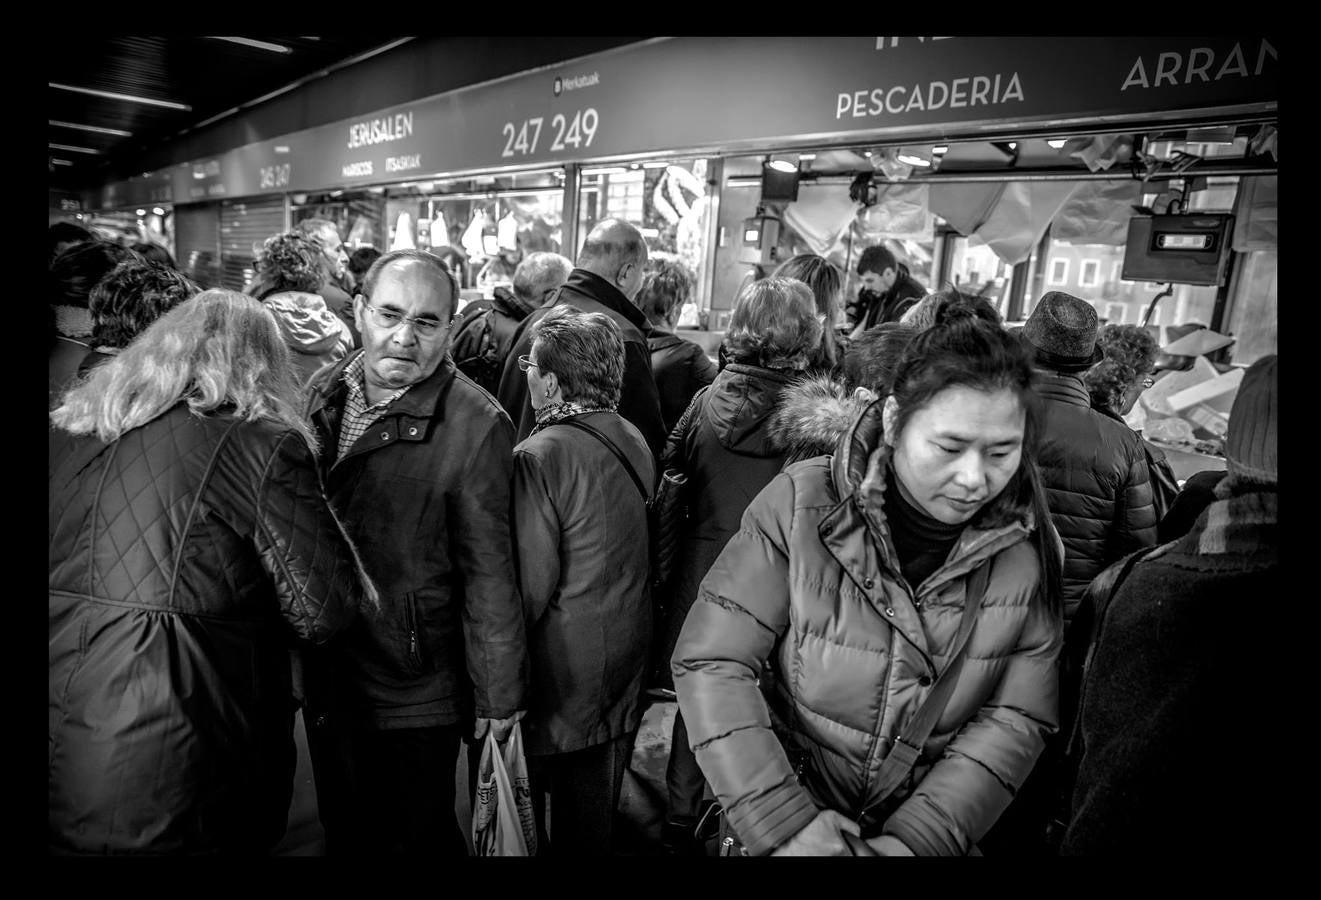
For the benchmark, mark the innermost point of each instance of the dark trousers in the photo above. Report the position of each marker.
(584, 788)
(386, 791)
(683, 777)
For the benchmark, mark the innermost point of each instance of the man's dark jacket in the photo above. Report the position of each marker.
(338, 300)
(424, 494)
(485, 366)
(681, 369)
(1097, 482)
(185, 557)
(638, 400)
(902, 295)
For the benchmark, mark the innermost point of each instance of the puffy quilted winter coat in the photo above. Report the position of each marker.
(184, 559)
(810, 585)
(1097, 483)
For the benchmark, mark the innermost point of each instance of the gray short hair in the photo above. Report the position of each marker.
(774, 324)
(316, 229)
(538, 273)
(586, 353)
(430, 259)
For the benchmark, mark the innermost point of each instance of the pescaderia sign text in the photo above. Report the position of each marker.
(975, 90)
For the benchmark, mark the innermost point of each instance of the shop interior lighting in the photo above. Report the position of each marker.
(128, 98)
(783, 165)
(939, 150)
(1013, 145)
(866, 153)
(609, 170)
(158, 211)
(1057, 143)
(141, 213)
(94, 128)
(60, 162)
(74, 149)
(804, 157)
(655, 165)
(259, 45)
(909, 159)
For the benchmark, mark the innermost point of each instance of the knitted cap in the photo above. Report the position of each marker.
(1252, 443)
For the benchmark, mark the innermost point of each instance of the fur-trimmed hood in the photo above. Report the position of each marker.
(812, 416)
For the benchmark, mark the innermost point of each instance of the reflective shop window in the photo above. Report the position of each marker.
(669, 202)
(483, 226)
(357, 215)
(976, 269)
(126, 227)
(1254, 307)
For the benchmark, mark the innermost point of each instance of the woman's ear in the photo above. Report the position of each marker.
(889, 413)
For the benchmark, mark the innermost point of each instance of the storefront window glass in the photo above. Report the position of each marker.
(357, 215)
(1254, 313)
(126, 227)
(668, 201)
(484, 226)
(977, 270)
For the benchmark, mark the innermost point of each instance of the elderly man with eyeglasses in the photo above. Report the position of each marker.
(417, 462)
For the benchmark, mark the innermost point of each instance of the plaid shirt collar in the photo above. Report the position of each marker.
(354, 377)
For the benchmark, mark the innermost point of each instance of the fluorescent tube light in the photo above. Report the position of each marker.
(259, 45)
(94, 128)
(111, 95)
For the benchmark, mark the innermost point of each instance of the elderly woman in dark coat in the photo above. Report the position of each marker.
(723, 445)
(580, 529)
(680, 367)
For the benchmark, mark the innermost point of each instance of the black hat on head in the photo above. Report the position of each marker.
(1062, 333)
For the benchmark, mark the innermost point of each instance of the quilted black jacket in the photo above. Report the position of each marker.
(1097, 483)
(424, 494)
(681, 369)
(184, 557)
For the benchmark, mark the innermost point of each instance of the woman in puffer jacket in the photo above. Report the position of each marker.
(289, 275)
(190, 546)
(834, 612)
(722, 444)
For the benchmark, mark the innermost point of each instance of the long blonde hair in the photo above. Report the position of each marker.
(218, 349)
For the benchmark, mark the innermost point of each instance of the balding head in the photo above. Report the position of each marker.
(539, 274)
(616, 252)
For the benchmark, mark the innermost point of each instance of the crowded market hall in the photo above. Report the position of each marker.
(658, 446)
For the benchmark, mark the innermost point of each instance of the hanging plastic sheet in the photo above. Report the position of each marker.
(964, 206)
(1097, 213)
(403, 233)
(902, 211)
(440, 232)
(1009, 217)
(820, 215)
(1256, 215)
(472, 235)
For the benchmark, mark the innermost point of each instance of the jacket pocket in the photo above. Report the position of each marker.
(416, 655)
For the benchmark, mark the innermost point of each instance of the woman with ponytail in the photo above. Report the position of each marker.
(837, 697)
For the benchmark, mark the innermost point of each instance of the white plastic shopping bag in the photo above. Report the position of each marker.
(502, 818)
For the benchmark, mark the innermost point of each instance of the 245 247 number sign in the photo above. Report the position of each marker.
(575, 132)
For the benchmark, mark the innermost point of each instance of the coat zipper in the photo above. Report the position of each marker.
(410, 620)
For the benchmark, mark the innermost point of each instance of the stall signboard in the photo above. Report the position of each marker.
(703, 94)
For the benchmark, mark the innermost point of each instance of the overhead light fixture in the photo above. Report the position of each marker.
(141, 213)
(94, 128)
(608, 170)
(803, 157)
(259, 45)
(74, 149)
(783, 165)
(54, 161)
(1013, 145)
(635, 166)
(655, 165)
(128, 98)
(1057, 143)
(940, 150)
(158, 211)
(910, 159)
(866, 153)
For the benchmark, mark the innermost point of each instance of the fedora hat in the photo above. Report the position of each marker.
(1062, 333)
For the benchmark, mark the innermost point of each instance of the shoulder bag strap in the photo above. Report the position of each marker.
(610, 445)
(908, 746)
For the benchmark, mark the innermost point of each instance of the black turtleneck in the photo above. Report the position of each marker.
(922, 543)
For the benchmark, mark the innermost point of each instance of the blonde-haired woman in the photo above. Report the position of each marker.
(190, 544)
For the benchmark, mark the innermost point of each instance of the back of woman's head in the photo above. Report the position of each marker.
(135, 294)
(966, 348)
(77, 270)
(826, 283)
(586, 353)
(290, 261)
(1130, 355)
(154, 253)
(873, 358)
(922, 315)
(219, 350)
(774, 324)
(666, 287)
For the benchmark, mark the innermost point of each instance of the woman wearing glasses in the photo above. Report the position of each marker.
(289, 277)
(1116, 382)
(580, 535)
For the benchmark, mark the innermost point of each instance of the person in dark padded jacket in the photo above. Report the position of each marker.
(190, 544)
(723, 445)
(606, 279)
(680, 367)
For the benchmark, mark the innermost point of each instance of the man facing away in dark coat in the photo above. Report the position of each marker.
(607, 278)
(417, 462)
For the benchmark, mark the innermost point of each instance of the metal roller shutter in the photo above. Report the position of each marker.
(197, 240)
(244, 225)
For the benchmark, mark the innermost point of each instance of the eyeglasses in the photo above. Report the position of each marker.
(388, 318)
(525, 363)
